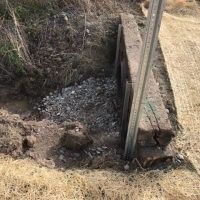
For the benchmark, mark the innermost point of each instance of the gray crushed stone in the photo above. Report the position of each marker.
(92, 102)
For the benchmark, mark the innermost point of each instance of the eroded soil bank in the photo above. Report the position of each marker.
(78, 127)
(69, 91)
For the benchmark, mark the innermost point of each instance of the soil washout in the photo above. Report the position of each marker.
(67, 46)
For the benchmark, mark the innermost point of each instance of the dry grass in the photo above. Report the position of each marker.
(86, 6)
(24, 179)
(181, 3)
(182, 7)
(179, 38)
(16, 37)
(180, 43)
(41, 3)
(89, 6)
(179, 7)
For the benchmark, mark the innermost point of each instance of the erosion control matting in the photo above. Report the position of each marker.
(24, 179)
(180, 42)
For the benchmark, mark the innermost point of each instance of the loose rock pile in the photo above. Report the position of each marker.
(93, 103)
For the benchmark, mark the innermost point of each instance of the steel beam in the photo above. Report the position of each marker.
(149, 44)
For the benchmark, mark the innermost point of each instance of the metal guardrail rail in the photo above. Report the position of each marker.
(155, 11)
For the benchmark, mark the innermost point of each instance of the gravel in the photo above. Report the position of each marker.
(126, 167)
(76, 155)
(61, 157)
(179, 157)
(104, 147)
(92, 102)
(99, 149)
(98, 152)
(62, 152)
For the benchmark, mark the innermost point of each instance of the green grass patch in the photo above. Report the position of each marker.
(24, 10)
(11, 58)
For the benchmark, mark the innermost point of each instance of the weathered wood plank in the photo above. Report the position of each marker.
(149, 156)
(154, 127)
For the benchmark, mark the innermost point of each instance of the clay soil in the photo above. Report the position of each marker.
(53, 55)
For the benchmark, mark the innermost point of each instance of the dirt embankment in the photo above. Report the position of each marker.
(58, 140)
(58, 45)
(47, 46)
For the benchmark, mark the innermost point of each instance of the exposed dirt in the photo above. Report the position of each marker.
(60, 145)
(66, 47)
(64, 51)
